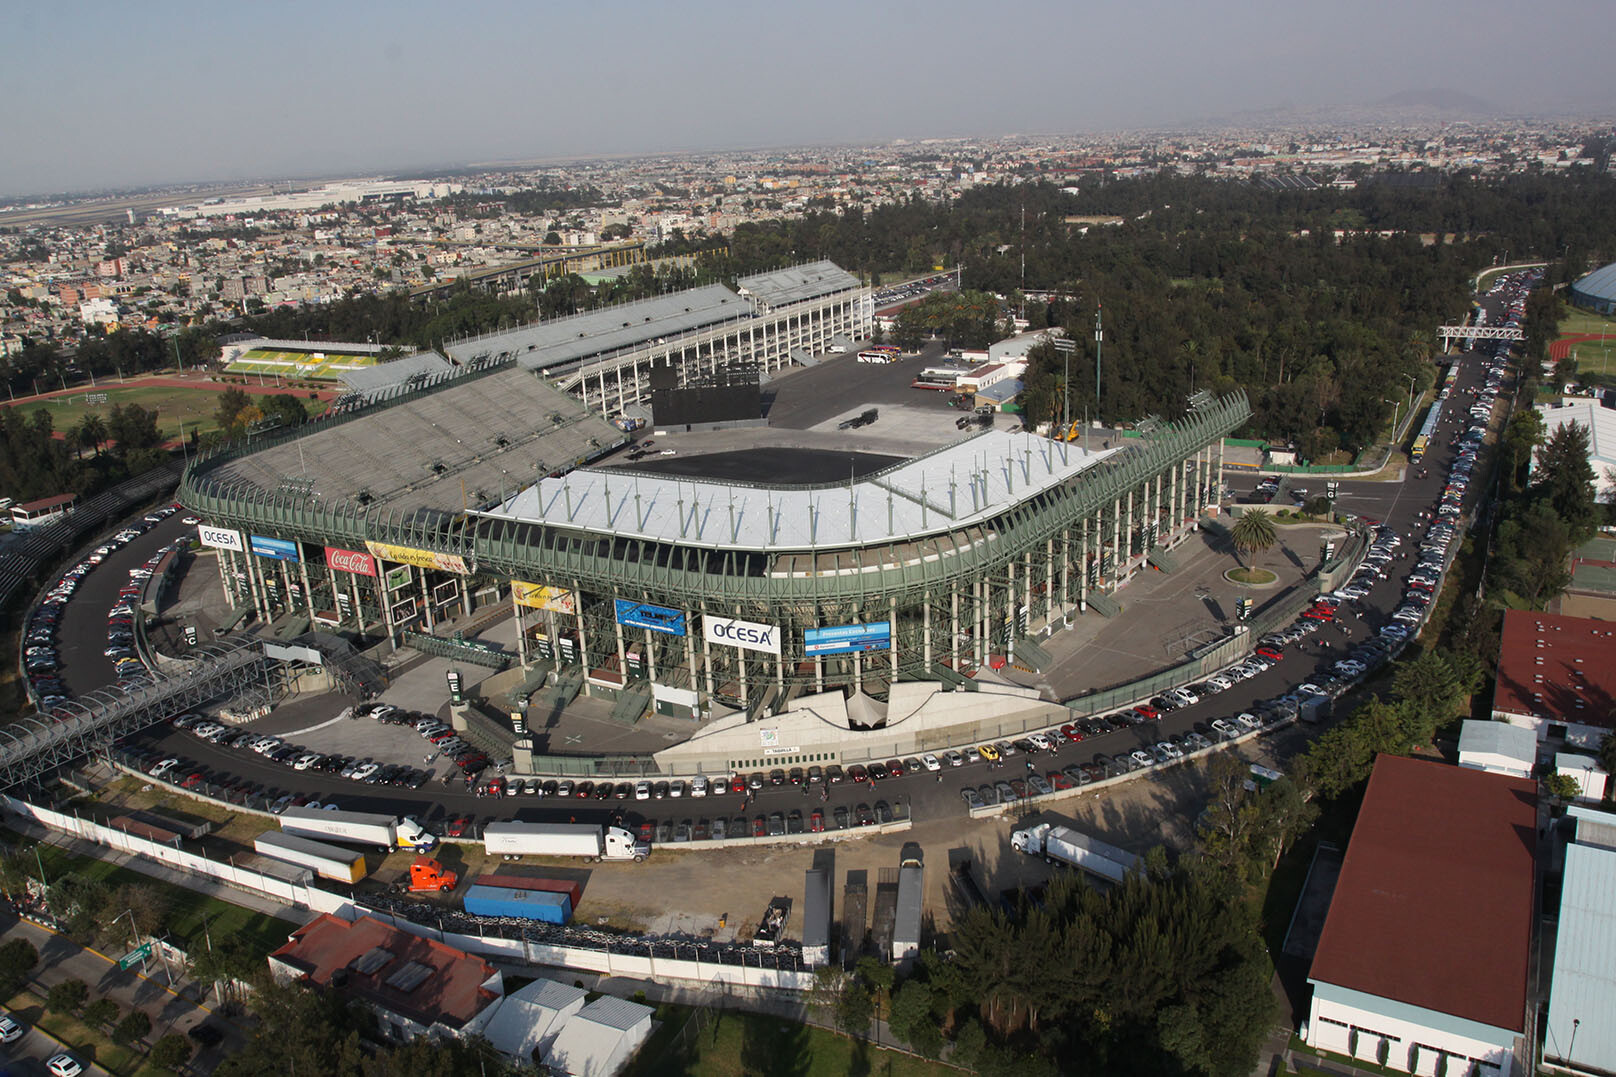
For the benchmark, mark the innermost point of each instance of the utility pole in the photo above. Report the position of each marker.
(1099, 343)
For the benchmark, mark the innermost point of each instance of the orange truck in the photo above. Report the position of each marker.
(428, 874)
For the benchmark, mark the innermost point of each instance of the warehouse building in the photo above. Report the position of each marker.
(1422, 963)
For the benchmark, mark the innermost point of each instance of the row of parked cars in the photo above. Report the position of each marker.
(41, 655)
(293, 756)
(445, 742)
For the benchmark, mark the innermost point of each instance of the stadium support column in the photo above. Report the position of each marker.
(978, 621)
(892, 626)
(308, 591)
(227, 577)
(1116, 540)
(521, 630)
(358, 610)
(953, 627)
(707, 660)
(1174, 497)
(255, 585)
(426, 603)
(1218, 478)
(925, 632)
(1027, 592)
(1049, 579)
(622, 651)
(1128, 527)
(1083, 569)
(740, 665)
(387, 603)
(1066, 570)
(578, 618)
(690, 657)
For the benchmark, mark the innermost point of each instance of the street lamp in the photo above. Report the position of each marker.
(1396, 404)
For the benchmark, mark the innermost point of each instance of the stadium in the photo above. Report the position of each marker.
(1597, 290)
(493, 479)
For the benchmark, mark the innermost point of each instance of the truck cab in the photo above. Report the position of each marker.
(622, 845)
(428, 874)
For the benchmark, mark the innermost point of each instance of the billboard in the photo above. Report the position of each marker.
(744, 634)
(409, 555)
(539, 597)
(398, 577)
(654, 618)
(279, 549)
(361, 564)
(847, 639)
(220, 538)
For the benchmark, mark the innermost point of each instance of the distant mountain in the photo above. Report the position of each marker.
(1438, 100)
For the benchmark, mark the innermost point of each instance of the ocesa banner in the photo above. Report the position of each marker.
(747, 635)
(220, 538)
(361, 564)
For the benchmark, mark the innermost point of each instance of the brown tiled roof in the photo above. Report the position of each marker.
(330, 945)
(1434, 903)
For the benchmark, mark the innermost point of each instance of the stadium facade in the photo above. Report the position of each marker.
(472, 488)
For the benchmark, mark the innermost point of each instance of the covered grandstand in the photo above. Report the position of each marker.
(382, 380)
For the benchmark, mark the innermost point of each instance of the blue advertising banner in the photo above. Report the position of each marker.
(846, 639)
(654, 618)
(279, 549)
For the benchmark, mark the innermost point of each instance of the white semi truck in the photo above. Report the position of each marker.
(1063, 844)
(385, 832)
(563, 839)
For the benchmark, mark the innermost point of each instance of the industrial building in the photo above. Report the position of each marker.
(1422, 963)
(1579, 1036)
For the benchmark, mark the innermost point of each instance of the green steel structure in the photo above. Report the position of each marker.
(951, 601)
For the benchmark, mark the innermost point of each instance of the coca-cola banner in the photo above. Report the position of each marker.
(350, 561)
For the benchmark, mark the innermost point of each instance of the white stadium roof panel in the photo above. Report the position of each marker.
(782, 287)
(954, 487)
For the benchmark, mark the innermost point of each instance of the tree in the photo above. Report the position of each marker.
(100, 1013)
(854, 1008)
(1429, 688)
(171, 1052)
(231, 401)
(1254, 532)
(1560, 785)
(1607, 757)
(1565, 479)
(17, 959)
(67, 996)
(92, 432)
(134, 1026)
(912, 1019)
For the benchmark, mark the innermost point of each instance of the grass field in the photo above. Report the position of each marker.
(743, 1044)
(290, 364)
(175, 406)
(1596, 360)
(188, 912)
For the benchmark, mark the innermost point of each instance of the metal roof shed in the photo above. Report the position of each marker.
(1498, 748)
(599, 1039)
(1582, 994)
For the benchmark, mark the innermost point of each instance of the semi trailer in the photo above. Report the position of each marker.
(1067, 846)
(384, 832)
(326, 861)
(511, 840)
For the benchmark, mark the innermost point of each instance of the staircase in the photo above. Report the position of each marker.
(1032, 656)
(1103, 604)
(631, 705)
(1163, 560)
(360, 676)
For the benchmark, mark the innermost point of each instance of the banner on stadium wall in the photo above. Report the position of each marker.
(744, 634)
(409, 555)
(361, 564)
(540, 597)
(846, 639)
(220, 538)
(279, 549)
(398, 577)
(653, 618)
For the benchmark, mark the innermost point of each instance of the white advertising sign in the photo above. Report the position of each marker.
(744, 634)
(221, 538)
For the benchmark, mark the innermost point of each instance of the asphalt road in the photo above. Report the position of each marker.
(1396, 503)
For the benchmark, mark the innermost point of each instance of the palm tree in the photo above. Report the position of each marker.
(1253, 533)
(92, 432)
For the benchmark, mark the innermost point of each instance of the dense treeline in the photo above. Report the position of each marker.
(36, 463)
(39, 366)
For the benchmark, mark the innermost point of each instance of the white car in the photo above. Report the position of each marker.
(1408, 615)
(930, 762)
(10, 1029)
(1248, 720)
(1225, 728)
(698, 786)
(642, 790)
(1220, 682)
(64, 1065)
(1142, 758)
(362, 772)
(1041, 742)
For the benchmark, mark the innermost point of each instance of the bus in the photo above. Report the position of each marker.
(887, 349)
(1422, 440)
(870, 355)
(934, 377)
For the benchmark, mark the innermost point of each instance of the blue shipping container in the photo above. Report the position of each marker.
(546, 905)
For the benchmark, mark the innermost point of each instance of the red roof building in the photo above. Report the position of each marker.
(1557, 675)
(1425, 949)
(412, 982)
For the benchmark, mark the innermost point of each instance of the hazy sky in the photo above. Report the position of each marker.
(114, 94)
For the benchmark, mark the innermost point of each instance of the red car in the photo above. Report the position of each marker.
(1273, 654)
(894, 768)
(1319, 613)
(737, 784)
(760, 827)
(647, 831)
(1071, 733)
(856, 773)
(458, 826)
(496, 787)
(816, 821)
(1145, 710)
(1058, 781)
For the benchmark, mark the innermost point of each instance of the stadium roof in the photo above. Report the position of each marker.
(372, 379)
(1601, 283)
(598, 333)
(337, 346)
(436, 450)
(782, 287)
(958, 485)
(1437, 844)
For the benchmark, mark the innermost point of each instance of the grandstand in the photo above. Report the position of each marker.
(301, 359)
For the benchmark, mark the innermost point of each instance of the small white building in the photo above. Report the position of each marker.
(1586, 772)
(524, 1024)
(1498, 748)
(600, 1039)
